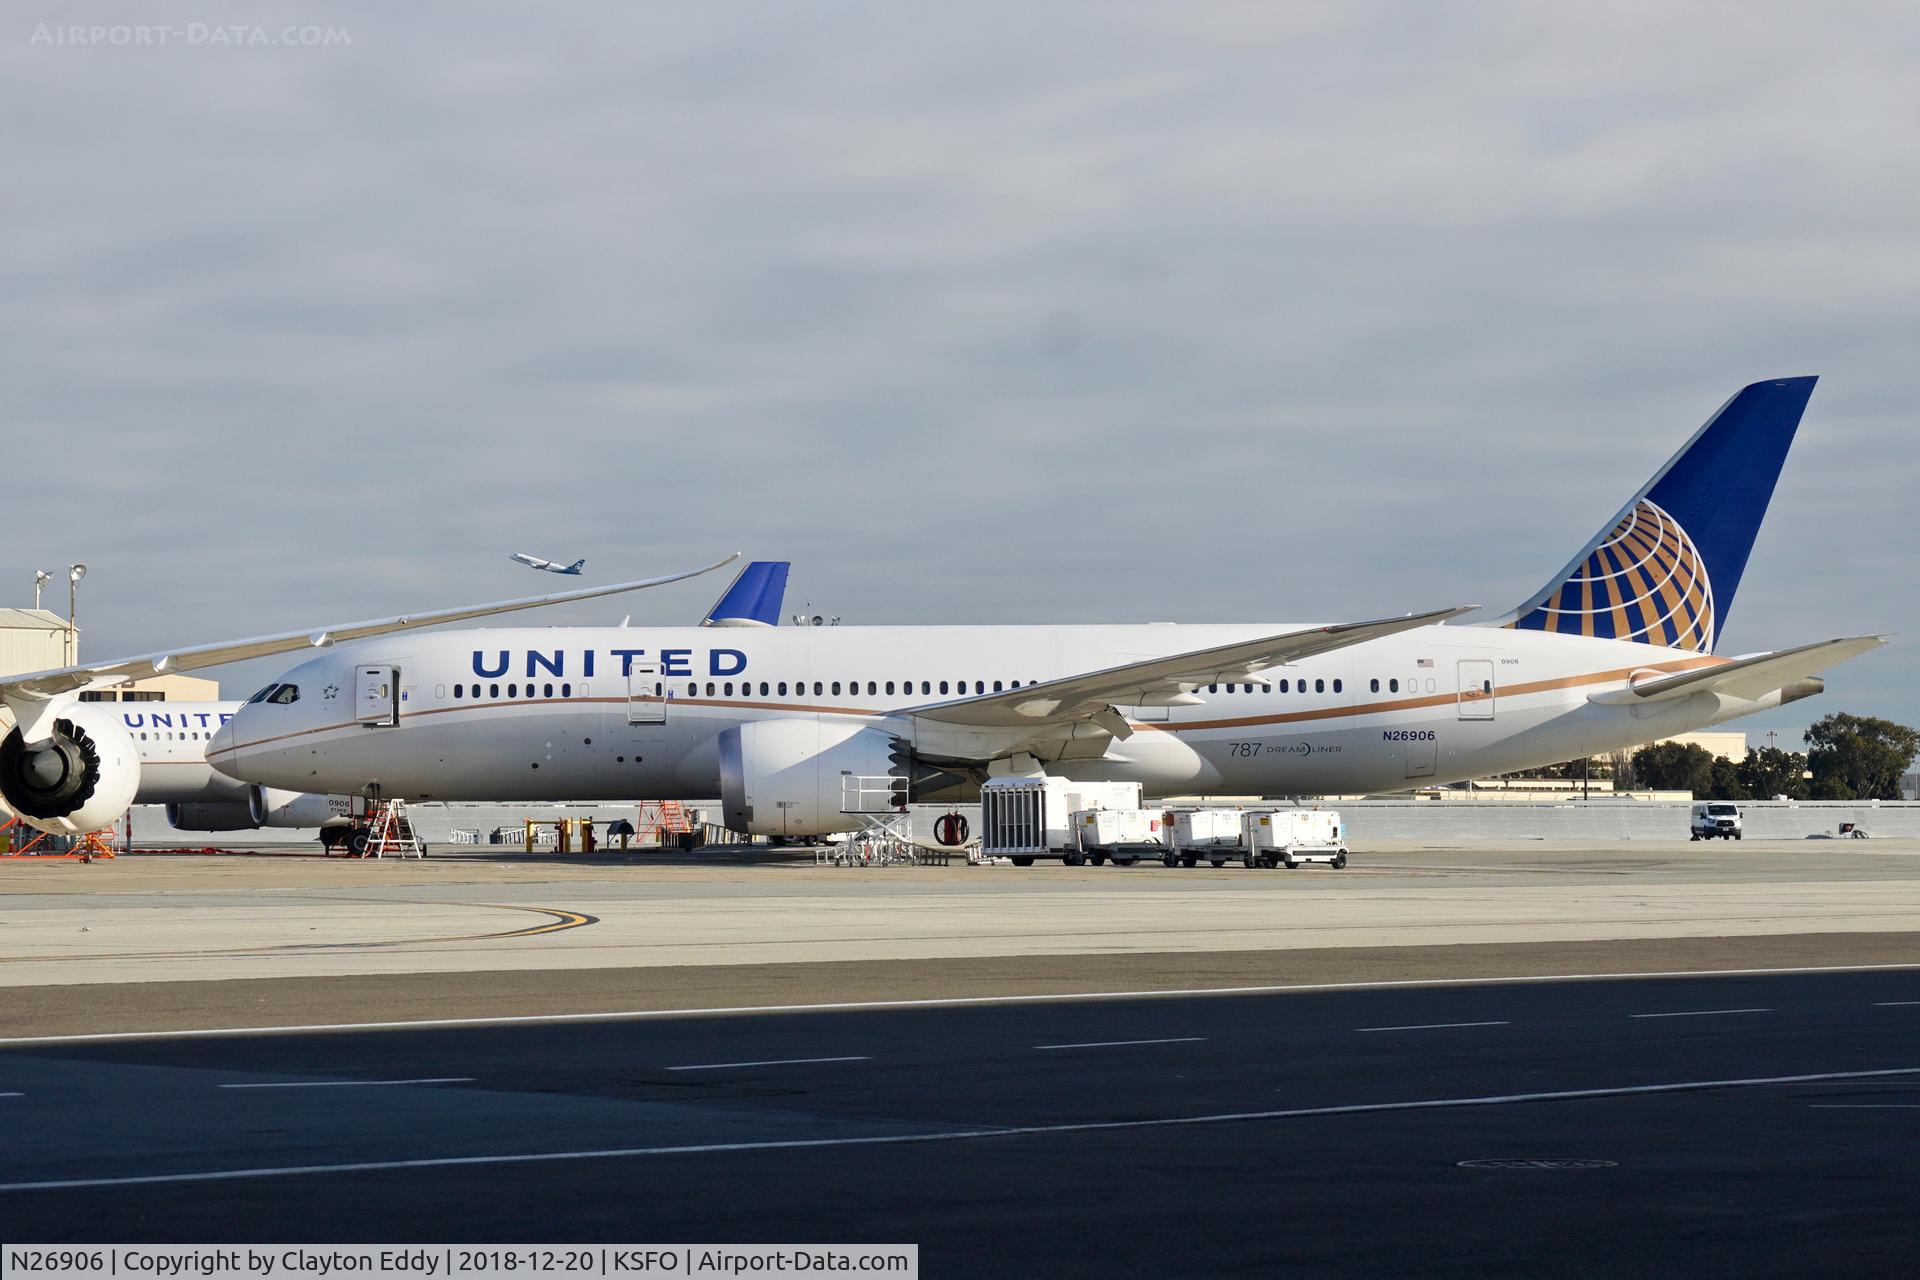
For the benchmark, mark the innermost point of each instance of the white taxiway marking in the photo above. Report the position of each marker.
(1865, 1106)
(950, 1135)
(1436, 1026)
(347, 1084)
(12, 1095)
(1893, 1004)
(634, 1015)
(1696, 1013)
(1114, 1044)
(768, 1062)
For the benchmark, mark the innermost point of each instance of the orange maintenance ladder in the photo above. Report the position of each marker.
(659, 818)
(86, 848)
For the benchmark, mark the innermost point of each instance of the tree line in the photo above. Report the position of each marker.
(1848, 757)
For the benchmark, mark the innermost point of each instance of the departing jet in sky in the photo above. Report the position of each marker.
(791, 726)
(551, 566)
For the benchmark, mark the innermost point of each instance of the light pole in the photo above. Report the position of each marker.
(40, 579)
(75, 572)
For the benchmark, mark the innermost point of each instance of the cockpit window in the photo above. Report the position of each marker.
(284, 694)
(264, 694)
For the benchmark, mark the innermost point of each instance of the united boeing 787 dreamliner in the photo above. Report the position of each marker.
(1617, 648)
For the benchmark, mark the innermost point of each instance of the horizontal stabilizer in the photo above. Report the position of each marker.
(1157, 681)
(1752, 677)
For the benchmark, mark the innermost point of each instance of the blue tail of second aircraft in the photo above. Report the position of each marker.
(754, 599)
(1663, 571)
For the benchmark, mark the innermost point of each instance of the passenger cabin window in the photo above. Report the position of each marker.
(889, 686)
(1336, 686)
(1319, 686)
(1393, 686)
(943, 686)
(782, 687)
(836, 686)
(493, 691)
(459, 691)
(1374, 684)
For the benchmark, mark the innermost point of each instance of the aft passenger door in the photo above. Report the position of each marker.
(1476, 688)
(376, 695)
(646, 695)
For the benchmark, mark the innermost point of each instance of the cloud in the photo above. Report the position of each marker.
(1061, 314)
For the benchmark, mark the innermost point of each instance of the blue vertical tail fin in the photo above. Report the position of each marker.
(754, 598)
(1664, 570)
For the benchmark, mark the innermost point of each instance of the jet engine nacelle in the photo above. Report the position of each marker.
(80, 778)
(193, 816)
(802, 777)
(264, 807)
(272, 807)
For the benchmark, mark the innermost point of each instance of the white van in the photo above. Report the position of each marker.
(1716, 818)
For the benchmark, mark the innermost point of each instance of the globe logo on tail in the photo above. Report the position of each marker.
(1644, 581)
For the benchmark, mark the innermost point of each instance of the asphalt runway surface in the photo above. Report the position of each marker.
(1744, 1125)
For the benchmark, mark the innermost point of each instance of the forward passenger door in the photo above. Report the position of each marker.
(646, 695)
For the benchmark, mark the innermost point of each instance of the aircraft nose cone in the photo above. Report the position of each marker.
(220, 749)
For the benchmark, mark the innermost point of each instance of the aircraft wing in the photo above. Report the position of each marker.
(21, 692)
(1751, 677)
(1156, 681)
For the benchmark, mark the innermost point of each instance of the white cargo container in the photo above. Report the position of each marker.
(1123, 835)
(1289, 837)
(1033, 817)
(1194, 834)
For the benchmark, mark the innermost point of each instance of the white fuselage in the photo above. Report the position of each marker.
(550, 714)
(171, 740)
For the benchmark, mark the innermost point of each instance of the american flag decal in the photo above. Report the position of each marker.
(1425, 662)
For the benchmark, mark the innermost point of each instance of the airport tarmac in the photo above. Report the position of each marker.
(1089, 1071)
(1758, 1125)
(487, 934)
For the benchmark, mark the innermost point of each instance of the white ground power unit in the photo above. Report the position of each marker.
(1033, 817)
(1195, 835)
(1122, 836)
(1289, 837)
(944, 826)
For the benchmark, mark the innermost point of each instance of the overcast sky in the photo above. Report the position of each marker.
(1263, 311)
